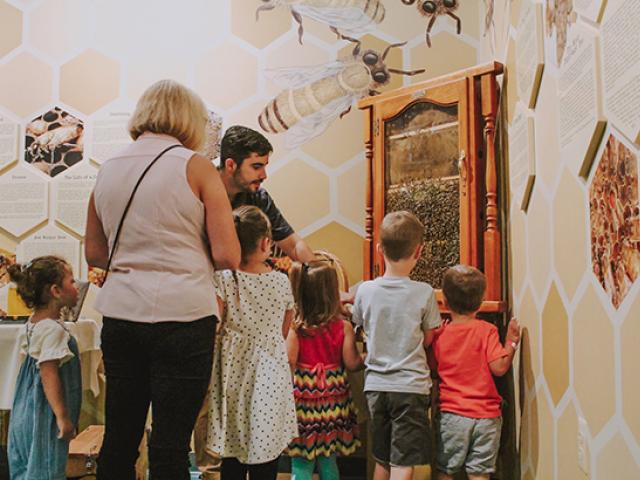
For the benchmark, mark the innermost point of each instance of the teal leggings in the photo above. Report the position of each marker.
(302, 469)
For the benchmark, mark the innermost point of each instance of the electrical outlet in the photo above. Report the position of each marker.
(583, 446)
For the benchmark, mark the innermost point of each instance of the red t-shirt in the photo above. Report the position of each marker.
(463, 352)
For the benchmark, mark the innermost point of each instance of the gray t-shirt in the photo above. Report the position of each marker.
(395, 312)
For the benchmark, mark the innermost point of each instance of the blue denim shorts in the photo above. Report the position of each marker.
(469, 443)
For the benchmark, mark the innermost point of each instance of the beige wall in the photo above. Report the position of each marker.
(580, 344)
(91, 58)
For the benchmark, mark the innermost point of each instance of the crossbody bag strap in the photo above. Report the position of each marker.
(126, 208)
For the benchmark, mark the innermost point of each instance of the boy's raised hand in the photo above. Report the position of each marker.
(513, 331)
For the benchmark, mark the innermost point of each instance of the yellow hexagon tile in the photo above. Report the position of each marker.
(393, 59)
(10, 28)
(539, 246)
(342, 242)
(518, 248)
(142, 73)
(542, 439)
(25, 84)
(592, 374)
(351, 193)
(270, 25)
(527, 422)
(56, 27)
(555, 345)
(529, 318)
(629, 335)
(547, 142)
(402, 22)
(297, 180)
(213, 72)
(616, 461)
(437, 64)
(338, 143)
(89, 81)
(570, 237)
(567, 445)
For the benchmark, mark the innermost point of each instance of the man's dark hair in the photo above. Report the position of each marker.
(463, 287)
(240, 142)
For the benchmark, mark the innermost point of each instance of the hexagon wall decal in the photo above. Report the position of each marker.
(50, 240)
(614, 213)
(71, 191)
(25, 200)
(54, 141)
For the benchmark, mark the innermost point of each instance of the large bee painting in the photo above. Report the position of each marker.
(54, 141)
(559, 16)
(615, 220)
(432, 9)
(316, 96)
(352, 17)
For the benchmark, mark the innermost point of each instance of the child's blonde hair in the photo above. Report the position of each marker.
(34, 279)
(315, 291)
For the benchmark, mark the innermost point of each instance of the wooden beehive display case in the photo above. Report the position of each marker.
(430, 150)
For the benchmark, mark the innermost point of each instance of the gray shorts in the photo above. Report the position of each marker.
(400, 428)
(469, 443)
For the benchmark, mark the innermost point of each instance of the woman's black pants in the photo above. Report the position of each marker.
(167, 365)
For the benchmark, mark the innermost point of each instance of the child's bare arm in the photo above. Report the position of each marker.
(352, 358)
(293, 347)
(428, 337)
(52, 386)
(286, 324)
(501, 365)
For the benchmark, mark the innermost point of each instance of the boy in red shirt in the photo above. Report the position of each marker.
(468, 352)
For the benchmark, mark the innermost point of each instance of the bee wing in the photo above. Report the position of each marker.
(349, 20)
(296, 77)
(315, 124)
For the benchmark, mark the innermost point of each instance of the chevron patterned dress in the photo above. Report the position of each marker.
(326, 414)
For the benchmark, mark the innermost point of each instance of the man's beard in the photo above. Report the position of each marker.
(246, 186)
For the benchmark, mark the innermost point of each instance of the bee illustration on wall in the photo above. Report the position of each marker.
(489, 22)
(559, 15)
(349, 16)
(315, 96)
(432, 9)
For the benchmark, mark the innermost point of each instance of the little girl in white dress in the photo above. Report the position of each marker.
(252, 416)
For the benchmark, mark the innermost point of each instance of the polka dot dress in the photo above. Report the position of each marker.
(252, 413)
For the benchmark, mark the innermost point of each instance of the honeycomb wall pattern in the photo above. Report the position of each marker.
(574, 257)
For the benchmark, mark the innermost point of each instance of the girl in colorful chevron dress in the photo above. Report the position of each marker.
(321, 345)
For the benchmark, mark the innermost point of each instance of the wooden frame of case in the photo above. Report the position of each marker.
(475, 91)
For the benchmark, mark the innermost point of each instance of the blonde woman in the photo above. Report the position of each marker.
(157, 302)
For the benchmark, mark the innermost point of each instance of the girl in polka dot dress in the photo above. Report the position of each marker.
(320, 346)
(252, 414)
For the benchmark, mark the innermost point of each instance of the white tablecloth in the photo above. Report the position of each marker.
(86, 332)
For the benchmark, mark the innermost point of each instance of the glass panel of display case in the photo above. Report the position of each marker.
(421, 163)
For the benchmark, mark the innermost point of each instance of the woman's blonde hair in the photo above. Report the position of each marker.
(168, 107)
(315, 291)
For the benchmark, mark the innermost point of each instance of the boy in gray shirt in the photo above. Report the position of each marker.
(399, 316)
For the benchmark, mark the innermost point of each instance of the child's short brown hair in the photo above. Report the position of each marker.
(463, 287)
(400, 233)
